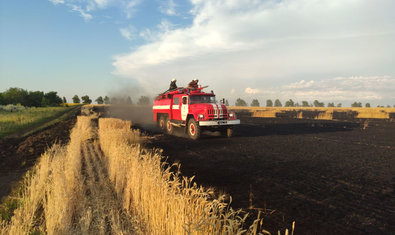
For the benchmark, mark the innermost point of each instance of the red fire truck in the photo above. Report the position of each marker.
(193, 110)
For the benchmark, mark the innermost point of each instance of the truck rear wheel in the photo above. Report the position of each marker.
(193, 129)
(169, 127)
(162, 122)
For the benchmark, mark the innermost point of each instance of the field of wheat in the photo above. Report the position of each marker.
(106, 182)
(324, 113)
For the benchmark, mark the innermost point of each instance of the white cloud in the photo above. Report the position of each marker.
(268, 44)
(87, 7)
(102, 3)
(82, 12)
(168, 7)
(249, 90)
(130, 7)
(300, 84)
(128, 32)
(57, 1)
(360, 88)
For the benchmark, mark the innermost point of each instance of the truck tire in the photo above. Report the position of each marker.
(229, 132)
(193, 129)
(162, 122)
(169, 127)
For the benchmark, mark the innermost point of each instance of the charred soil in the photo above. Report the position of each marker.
(329, 177)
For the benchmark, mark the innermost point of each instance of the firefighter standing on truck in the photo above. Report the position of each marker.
(173, 85)
(193, 84)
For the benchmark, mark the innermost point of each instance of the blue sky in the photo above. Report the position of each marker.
(330, 50)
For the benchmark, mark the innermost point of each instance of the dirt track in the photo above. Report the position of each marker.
(329, 177)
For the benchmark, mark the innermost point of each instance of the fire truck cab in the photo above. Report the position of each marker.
(193, 110)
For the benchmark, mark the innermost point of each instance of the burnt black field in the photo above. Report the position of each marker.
(330, 177)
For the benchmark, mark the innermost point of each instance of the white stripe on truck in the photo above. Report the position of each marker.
(161, 107)
(221, 112)
(215, 110)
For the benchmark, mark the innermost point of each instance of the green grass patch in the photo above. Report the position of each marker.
(19, 120)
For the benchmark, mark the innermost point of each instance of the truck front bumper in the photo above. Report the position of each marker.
(219, 122)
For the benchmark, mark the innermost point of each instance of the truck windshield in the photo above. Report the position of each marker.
(197, 99)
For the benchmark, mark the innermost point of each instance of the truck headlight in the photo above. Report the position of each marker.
(201, 116)
(231, 115)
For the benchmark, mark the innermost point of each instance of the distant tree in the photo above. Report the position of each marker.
(227, 103)
(15, 95)
(388, 106)
(143, 100)
(331, 104)
(99, 100)
(277, 103)
(367, 105)
(318, 104)
(76, 99)
(255, 103)
(289, 103)
(297, 104)
(86, 100)
(269, 103)
(64, 100)
(305, 103)
(121, 100)
(129, 100)
(339, 105)
(51, 99)
(106, 100)
(34, 98)
(356, 104)
(1, 99)
(114, 100)
(240, 102)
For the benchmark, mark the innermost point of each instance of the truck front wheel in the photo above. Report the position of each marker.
(193, 129)
(229, 132)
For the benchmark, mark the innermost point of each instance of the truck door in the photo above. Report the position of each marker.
(184, 108)
(176, 112)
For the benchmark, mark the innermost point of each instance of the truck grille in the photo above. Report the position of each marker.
(216, 113)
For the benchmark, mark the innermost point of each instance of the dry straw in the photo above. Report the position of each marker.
(68, 192)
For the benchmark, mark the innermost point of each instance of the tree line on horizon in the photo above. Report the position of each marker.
(27, 98)
(291, 103)
(15, 96)
(143, 100)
